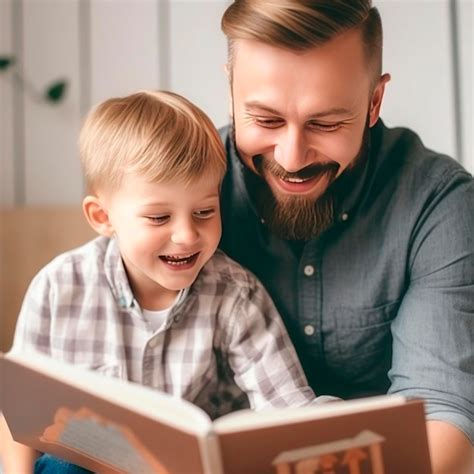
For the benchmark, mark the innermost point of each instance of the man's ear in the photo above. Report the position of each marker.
(97, 215)
(377, 96)
(229, 82)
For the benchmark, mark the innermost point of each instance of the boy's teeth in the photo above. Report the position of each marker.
(178, 259)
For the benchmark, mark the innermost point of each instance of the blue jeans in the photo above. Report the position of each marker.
(47, 464)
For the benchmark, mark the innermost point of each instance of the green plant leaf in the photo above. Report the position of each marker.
(6, 62)
(55, 92)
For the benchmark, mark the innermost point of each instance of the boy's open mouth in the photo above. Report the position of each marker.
(177, 260)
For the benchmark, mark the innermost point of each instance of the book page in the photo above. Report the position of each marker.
(111, 444)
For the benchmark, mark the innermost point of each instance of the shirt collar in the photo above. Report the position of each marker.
(116, 275)
(355, 184)
(118, 280)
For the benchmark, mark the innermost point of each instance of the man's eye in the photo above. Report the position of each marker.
(268, 122)
(204, 213)
(325, 127)
(158, 220)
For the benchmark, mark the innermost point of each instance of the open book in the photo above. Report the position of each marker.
(110, 425)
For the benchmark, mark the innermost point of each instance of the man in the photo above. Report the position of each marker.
(363, 237)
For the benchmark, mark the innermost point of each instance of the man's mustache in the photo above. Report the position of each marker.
(314, 169)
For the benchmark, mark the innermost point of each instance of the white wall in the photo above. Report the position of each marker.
(465, 17)
(417, 53)
(123, 48)
(112, 47)
(197, 55)
(51, 51)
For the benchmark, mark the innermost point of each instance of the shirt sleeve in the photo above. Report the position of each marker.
(261, 355)
(433, 354)
(32, 332)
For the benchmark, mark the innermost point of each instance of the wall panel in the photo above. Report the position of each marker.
(464, 21)
(50, 52)
(124, 47)
(417, 52)
(198, 53)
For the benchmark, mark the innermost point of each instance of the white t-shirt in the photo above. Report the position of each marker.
(157, 319)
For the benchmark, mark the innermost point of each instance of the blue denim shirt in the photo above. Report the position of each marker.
(384, 300)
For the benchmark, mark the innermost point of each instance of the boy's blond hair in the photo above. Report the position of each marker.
(157, 134)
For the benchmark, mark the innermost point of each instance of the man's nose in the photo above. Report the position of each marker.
(292, 151)
(184, 233)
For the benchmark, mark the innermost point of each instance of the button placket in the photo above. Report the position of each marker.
(309, 304)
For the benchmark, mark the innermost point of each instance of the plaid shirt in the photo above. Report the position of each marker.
(80, 309)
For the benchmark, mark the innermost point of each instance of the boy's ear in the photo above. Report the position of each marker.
(97, 215)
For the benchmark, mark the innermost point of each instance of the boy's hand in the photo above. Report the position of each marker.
(16, 457)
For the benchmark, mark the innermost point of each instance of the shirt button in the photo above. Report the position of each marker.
(308, 270)
(344, 216)
(309, 330)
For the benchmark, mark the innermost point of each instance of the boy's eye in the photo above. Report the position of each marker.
(204, 213)
(157, 220)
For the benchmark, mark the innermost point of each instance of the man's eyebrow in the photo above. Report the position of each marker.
(254, 104)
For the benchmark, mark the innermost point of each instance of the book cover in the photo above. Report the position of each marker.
(111, 425)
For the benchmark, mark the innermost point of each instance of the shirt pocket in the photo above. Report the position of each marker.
(364, 339)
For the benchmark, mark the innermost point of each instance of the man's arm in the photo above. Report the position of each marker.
(450, 450)
(16, 457)
(432, 333)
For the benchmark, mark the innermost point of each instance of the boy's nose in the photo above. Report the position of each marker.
(184, 234)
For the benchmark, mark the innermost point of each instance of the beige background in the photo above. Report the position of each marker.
(29, 239)
(107, 48)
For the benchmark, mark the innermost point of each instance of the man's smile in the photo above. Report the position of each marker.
(296, 185)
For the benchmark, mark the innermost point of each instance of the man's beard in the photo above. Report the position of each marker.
(293, 217)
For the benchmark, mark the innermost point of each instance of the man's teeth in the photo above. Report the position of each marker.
(295, 180)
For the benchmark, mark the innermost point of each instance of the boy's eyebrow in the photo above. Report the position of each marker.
(167, 203)
(255, 104)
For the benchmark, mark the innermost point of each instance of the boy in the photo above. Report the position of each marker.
(151, 300)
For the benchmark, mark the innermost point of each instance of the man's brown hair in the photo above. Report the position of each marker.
(302, 24)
